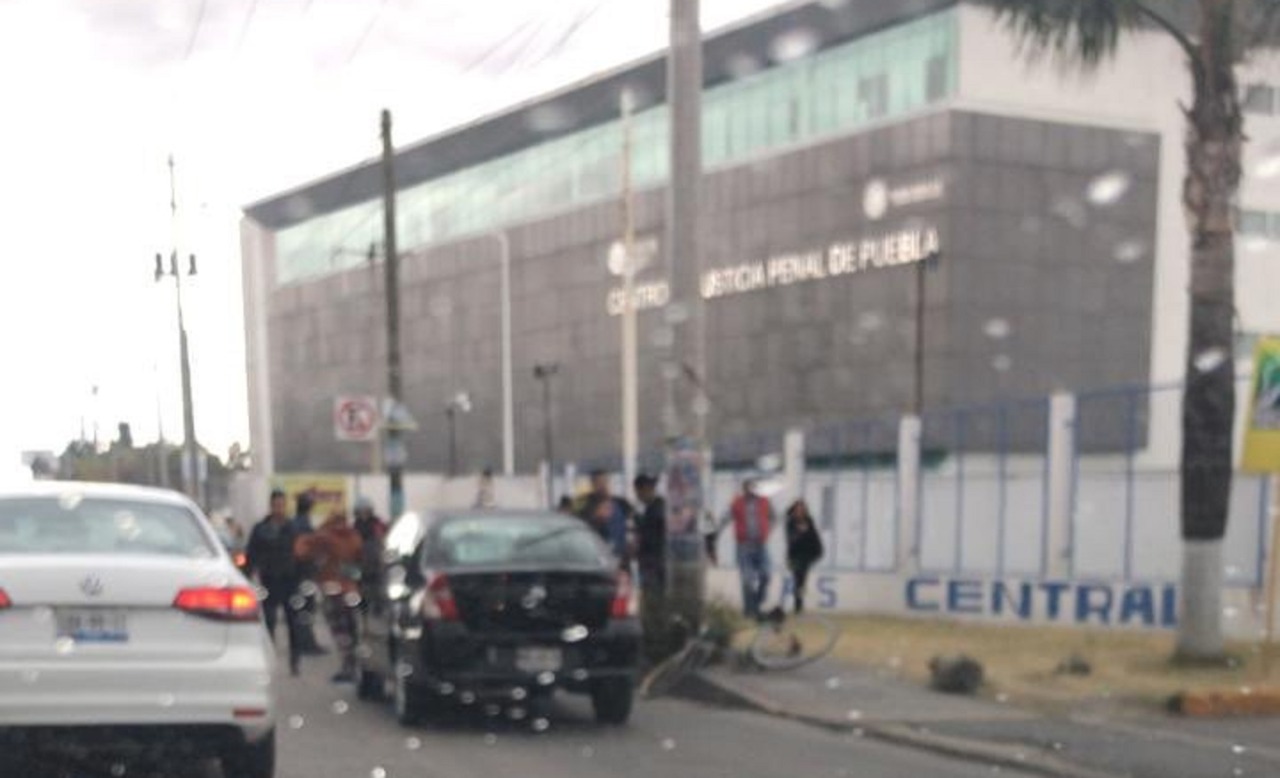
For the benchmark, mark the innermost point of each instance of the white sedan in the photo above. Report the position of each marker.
(122, 614)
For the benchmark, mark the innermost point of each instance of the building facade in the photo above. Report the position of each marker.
(855, 154)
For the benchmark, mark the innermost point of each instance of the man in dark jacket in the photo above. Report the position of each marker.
(270, 556)
(651, 556)
(610, 516)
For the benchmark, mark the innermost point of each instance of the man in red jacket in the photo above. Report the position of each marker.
(752, 517)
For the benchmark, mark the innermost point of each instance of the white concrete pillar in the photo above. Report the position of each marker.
(793, 464)
(1060, 450)
(908, 552)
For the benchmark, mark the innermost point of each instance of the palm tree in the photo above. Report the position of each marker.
(1219, 37)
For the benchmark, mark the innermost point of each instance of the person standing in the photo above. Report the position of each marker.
(651, 535)
(334, 552)
(485, 491)
(304, 502)
(611, 516)
(269, 556)
(752, 517)
(804, 548)
(373, 531)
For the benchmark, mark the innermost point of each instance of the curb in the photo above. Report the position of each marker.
(705, 688)
(1220, 703)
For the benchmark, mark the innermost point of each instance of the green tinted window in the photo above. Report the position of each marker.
(877, 77)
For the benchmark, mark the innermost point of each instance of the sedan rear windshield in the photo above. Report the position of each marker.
(515, 540)
(70, 524)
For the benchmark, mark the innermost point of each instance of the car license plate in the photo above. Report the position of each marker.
(539, 660)
(93, 626)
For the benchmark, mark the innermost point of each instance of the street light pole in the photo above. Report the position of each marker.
(508, 399)
(544, 372)
(461, 403)
(630, 400)
(190, 474)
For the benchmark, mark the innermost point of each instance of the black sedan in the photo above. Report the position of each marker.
(483, 607)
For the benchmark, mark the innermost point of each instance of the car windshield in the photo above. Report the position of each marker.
(71, 525)
(495, 541)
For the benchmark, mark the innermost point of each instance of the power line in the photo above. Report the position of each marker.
(248, 20)
(364, 36)
(195, 30)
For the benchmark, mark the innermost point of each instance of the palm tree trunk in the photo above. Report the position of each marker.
(1213, 149)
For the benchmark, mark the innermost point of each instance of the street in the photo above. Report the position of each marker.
(325, 732)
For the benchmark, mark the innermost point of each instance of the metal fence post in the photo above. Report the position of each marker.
(1061, 467)
(908, 550)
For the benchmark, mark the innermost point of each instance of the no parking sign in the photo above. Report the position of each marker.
(355, 418)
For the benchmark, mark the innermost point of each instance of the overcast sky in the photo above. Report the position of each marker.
(251, 97)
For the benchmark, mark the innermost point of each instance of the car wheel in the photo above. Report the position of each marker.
(409, 700)
(369, 685)
(611, 698)
(251, 760)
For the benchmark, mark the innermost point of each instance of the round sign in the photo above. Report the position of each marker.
(355, 418)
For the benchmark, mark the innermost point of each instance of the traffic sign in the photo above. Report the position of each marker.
(355, 418)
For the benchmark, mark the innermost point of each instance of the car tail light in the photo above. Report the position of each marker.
(624, 604)
(5, 602)
(437, 600)
(229, 603)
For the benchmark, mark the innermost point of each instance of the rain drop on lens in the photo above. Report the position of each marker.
(793, 45)
(64, 645)
(490, 739)
(340, 707)
(446, 688)
(1209, 360)
(588, 752)
(296, 722)
(541, 725)
(1238, 749)
(519, 693)
(1108, 188)
(167, 701)
(467, 698)
(1129, 251)
(517, 714)
(413, 743)
(997, 329)
(378, 772)
(668, 744)
(575, 634)
(833, 683)
(546, 678)
(854, 715)
(352, 600)
(118, 769)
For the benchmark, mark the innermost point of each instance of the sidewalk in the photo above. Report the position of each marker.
(1089, 744)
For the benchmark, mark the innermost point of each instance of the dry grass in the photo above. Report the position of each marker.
(1020, 661)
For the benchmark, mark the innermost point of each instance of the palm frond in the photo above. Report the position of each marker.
(1084, 32)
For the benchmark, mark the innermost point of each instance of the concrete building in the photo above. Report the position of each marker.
(843, 144)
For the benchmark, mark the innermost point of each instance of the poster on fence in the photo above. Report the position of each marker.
(1262, 428)
(329, 492)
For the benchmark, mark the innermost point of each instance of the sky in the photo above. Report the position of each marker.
(250, 97)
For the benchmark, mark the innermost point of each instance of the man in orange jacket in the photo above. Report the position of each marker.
(335, 552)
(752, 517)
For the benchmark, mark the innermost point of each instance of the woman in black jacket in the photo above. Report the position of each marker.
(804, 547)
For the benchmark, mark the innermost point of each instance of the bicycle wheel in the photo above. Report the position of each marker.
(664, 677)
(793, 642)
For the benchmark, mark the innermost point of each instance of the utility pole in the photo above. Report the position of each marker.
(508, 395)
(630, 394)
(190, 472)
(683, 414)
(395, 454)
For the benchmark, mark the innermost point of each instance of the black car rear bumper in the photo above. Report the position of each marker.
(451, 658)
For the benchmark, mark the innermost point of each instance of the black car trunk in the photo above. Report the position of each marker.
(533, 601)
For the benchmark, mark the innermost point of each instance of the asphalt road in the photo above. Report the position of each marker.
(325, 732)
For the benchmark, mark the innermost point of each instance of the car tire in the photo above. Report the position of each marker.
(251, 760)
(611, 699)
(410, 701)
(369, 684)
